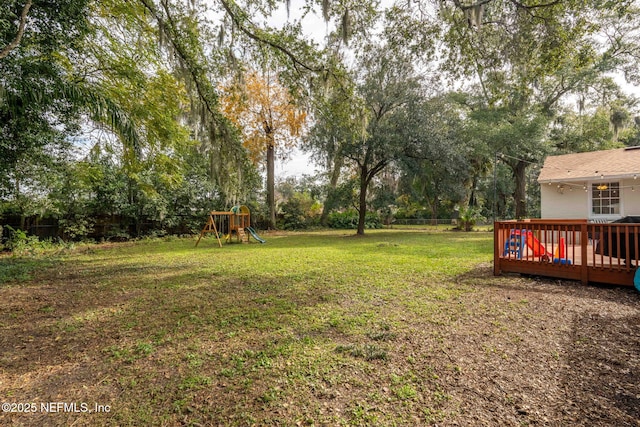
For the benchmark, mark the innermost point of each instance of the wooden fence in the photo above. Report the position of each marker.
(568, 249)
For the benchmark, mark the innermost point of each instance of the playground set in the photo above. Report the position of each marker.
(521, 241)
(236, 222)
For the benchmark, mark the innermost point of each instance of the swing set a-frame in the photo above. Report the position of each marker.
(236, 222)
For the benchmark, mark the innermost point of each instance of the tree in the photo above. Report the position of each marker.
(77, 65)
(389, 86)
(494, 53)
(142, 75)
(36, 41)
(524, 56)
(300, 207)
(20, 30)
(588, 131)
(518, 138)
(268, 118)
(440, 155)
(337, 125)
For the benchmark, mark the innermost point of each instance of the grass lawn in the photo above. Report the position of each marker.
(399, 327)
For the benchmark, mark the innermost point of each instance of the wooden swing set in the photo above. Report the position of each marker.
(228, 224)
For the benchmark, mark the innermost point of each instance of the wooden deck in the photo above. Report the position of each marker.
(568, 249)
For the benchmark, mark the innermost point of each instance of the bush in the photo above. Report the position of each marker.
(22, 244)
(343, 220)
(349, 220)
(76, 228)
(117, 233)
(299, 212)
(293, 216)
(469, 218)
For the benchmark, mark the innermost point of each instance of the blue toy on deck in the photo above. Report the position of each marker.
(515, 244)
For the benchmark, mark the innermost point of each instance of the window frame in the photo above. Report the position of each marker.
(610, 184)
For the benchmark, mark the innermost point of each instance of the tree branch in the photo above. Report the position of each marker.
(23, 23)
(519, 4)
(376, 169)
(535, 6)
(169, 29)
(252, 35)
(471, 6)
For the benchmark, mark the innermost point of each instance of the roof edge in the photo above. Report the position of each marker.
(591, 178)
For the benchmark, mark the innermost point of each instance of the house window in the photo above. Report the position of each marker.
(605, 198)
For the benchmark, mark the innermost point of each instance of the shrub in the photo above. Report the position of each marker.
(300, 211)
(349, 220)
(76, 228)
(21, 244)
(293, 215)
(469, 217)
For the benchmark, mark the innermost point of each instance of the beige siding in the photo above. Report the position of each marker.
(631, 198)
(575, 204)
(568, 204)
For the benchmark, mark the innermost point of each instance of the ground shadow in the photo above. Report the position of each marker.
(602, 378)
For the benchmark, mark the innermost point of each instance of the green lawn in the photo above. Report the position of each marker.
(399, 327)
(321, 328)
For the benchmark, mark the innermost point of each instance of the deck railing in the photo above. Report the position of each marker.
(568, 249)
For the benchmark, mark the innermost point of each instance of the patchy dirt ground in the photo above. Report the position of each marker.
(511, 351)
(545, 352)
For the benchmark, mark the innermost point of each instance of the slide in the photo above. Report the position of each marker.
(535, 245)
(255, 235)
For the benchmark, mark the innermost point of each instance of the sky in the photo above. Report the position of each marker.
(299, 164)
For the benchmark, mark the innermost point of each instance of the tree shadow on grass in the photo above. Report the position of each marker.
(602, 378)
(98, 307)
(598, 328)
(15, 269)
(74, 336)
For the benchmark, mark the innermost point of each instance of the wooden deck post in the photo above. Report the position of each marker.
(584, 240)
(496, 249)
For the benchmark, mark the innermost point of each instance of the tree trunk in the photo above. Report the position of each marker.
(472, 196)
(362, 212)
(333, 184)
(23, 218)
(520, 192)
(434, 211)
(271, 187)
(135, 213)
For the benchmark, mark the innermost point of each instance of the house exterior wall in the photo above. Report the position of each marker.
(576, 203)
(631, 197)
(568, 204)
